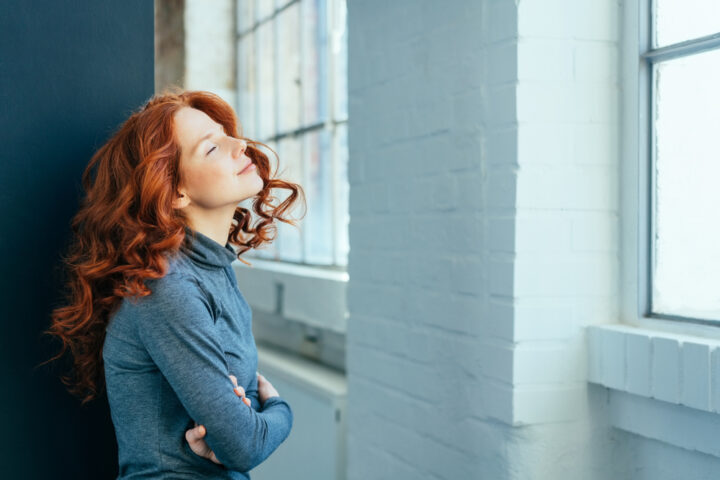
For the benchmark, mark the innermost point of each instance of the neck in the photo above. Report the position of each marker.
(214, 224)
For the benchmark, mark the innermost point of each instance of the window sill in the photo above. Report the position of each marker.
(310, 295)
(663, 385)
(672, 367)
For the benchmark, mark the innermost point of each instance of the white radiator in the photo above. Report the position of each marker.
(315, 449)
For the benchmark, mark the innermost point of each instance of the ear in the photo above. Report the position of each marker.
(181, 200)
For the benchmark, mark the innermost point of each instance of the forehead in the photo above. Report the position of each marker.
(191, 125)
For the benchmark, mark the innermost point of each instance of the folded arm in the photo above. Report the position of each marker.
(177, 327)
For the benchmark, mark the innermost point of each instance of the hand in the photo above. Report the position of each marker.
(195, 435)
(265, 389)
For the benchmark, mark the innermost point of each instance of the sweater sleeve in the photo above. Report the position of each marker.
(177, 327)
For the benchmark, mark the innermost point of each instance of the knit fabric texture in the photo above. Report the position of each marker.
(167, 360)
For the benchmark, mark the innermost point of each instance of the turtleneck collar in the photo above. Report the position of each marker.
(206, 251)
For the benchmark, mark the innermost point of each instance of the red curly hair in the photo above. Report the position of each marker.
(126, 225)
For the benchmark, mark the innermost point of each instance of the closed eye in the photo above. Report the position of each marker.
(209, 151)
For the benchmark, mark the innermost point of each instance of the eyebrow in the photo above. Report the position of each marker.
(207, 135)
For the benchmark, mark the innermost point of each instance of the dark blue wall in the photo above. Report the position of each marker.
(70, 72)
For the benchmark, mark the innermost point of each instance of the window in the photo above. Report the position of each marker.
(679, 92)
(292, 95)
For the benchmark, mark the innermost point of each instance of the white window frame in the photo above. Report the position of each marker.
(663, 374)
(313, 295)
(329, 126)
(637, 164)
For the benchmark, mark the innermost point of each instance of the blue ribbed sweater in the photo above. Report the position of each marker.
(167, 360)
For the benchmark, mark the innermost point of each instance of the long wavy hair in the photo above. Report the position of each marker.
(126, 225)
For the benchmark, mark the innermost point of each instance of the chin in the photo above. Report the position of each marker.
(251, 195)
(259, 186)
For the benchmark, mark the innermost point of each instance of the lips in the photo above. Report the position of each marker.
(249, 167)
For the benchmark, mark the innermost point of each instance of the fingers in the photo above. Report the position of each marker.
(196, 433)
(240, 391)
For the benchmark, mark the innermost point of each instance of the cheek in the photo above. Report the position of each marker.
(206, 179)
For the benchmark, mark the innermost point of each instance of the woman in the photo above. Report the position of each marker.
(154, 313)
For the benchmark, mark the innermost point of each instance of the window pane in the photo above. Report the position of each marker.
(290, 237)
(288, 24)
(680, 20)
(266, 83)
(342, 195)
(245, 15)
(318, 222)
(314, 73)
(246, 85)
(267, 251)
(339, 52)
(687, 243)
(264, 9)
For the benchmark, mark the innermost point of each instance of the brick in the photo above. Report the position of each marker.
(499, 321)
(501, 278)
(549, 403)
(504, 24)
(545, 319)
(502, 188)
(561, 275)
(552, 187)
(549, 362)
(470, 186)
(545, 19)
(545, 143)
(379, 198)
(500, 109)
(497, 400)
(444, 193)
(503, 57)
(594, 102)
(595, 232)
(467, 231)
(595, 144)
(501, 146)
(595, 61)
(496, 361)
(544, 59)
(549, 101)
(501, 233)
(542, 232)
(595, 20)
(468, 275)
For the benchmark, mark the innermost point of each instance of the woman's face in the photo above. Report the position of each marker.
(212, 164)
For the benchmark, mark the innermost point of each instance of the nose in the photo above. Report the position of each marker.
(240, 147)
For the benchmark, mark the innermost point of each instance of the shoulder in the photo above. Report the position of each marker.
(173, 284)
(173, 292)
(177, 308)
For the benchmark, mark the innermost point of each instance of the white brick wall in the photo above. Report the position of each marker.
(468, 274)
(427, 366)
(566, 256)
(484, 239)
